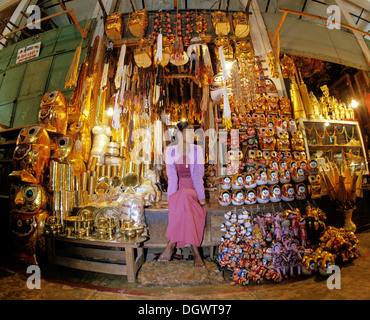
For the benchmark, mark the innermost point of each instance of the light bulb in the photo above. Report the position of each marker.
(354, 103)
(110, 112)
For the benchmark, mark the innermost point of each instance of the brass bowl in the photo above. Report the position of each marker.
(139, 230)
(129, 233)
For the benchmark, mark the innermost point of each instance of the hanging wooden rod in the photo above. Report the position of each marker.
(285, 11)
(69, 11)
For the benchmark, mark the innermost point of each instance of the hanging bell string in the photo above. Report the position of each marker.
(223, 63)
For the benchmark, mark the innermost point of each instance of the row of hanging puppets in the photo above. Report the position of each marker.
(178, 25)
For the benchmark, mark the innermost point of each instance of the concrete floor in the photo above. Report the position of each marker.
(69, 284)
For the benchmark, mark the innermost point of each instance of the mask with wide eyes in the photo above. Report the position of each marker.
(32, 135)
(251, 154)
(63, 147)
(262, 132)
(49, 97)
(27, 198)
(258, 155)
(266, 155)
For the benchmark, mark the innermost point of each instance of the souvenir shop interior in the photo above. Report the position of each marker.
(283, 129)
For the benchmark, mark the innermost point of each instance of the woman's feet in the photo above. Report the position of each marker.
(167, 253)
(198, 261)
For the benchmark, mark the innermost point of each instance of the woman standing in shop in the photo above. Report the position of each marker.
(185, 193)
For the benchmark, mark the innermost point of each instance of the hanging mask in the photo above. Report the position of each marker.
(31, 155)
(28, 198)
(53, 114)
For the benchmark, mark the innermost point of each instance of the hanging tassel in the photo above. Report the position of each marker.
(116, 113)
(120, 68)
(158, 55)
(104, 77)
(225, 73)
(71, 78)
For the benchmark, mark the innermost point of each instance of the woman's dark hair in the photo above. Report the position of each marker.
(182, 125)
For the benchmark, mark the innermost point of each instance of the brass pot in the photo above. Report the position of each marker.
(129, 233)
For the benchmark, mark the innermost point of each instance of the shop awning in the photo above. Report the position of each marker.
(315, 40)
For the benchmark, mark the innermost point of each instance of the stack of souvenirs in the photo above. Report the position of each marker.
(267, 158)
(280, 244)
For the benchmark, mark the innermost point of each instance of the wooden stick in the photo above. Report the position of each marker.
(73, 17)
(35, 22)
(279, 26)
(320, 18)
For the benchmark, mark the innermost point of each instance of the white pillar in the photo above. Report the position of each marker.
(261, 43)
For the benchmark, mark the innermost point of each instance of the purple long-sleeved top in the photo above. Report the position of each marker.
(196, 169)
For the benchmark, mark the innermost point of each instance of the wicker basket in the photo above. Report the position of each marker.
(114, 26)
(241, 24)
(221, 23)
(138, 23)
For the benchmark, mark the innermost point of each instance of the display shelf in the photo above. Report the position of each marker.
(334, 140)
(111, 257)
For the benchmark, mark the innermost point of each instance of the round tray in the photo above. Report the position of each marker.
(125, 240)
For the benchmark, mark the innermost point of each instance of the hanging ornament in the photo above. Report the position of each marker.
(226, 117)
(72, 75)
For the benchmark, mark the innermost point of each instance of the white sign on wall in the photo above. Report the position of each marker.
(29, 52)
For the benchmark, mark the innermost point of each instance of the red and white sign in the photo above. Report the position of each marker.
(29, 52)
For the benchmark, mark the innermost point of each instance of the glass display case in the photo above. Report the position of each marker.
(333, 140)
